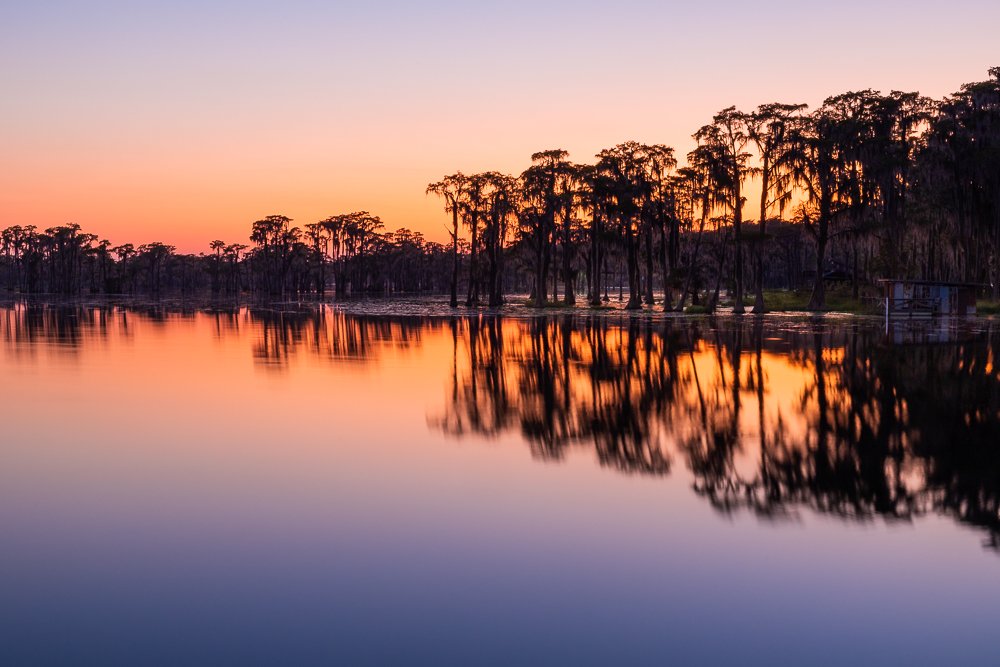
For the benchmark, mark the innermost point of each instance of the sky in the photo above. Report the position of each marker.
(186, 121)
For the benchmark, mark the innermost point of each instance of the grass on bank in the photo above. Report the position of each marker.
(838, 300)
(988, 307)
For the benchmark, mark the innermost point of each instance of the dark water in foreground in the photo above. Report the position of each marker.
(257, 487)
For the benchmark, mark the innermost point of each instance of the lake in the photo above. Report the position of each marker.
(319, 485)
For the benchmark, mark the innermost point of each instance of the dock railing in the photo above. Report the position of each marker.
(913, 306)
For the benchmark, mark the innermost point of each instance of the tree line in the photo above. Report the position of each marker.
(867, 185)
(350, 251)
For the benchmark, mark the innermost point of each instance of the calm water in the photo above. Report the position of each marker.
(256, 487)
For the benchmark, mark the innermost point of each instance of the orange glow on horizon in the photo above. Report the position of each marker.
(154, 124)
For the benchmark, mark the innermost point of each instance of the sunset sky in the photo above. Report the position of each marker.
(185, 121)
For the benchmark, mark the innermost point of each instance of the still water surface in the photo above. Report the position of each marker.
(320, 487)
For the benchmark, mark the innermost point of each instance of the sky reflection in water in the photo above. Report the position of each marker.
(312, 486)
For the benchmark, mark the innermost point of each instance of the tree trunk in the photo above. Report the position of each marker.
(648, 296)
(818, 299)
(758, 302)
(691, 264)
(632, 259)
(541, 269)
(473, 297)
(595, 260)
(453, 301)
(568, 276)
(738, 307)
(667, 269)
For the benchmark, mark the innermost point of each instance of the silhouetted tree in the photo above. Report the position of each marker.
(453, 189)
(770, 129)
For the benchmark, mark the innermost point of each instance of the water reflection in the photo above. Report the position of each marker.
(768, 416)
(326, 334)
(277, 335)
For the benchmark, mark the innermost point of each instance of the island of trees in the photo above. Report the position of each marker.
(867, 185)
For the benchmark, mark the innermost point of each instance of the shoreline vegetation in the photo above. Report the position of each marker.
(780, 302)
(863, 187)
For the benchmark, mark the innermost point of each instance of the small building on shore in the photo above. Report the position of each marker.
(908, 298)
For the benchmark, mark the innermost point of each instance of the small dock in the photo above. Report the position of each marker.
(928, 298)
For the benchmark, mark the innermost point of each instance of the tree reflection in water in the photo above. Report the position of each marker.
(328, 334)
(769, 415)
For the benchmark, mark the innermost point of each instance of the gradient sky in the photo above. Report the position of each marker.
(185, 121)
